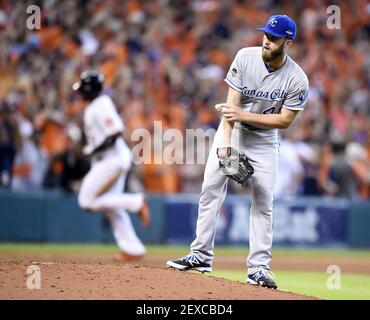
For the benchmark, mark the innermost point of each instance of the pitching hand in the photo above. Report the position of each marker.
(231, 112)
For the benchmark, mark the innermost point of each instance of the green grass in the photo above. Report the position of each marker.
(56, 248)
(177, 250)
(353, 286)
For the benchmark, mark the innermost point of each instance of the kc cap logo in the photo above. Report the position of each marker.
(273, 22)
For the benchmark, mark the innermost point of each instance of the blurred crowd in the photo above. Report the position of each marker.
(165, 61)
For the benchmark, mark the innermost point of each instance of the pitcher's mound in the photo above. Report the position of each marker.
(76, 280)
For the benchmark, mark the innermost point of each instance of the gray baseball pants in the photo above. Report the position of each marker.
(262, 148)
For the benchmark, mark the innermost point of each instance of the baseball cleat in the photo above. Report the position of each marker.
(144, 215)
(125, 257)
(189, 262)
(262, 278)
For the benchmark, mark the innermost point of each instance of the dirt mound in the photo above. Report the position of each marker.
(97, 280)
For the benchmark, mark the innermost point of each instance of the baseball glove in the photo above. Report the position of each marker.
(234, 165)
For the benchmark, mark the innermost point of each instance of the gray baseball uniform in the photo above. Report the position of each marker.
(262, 92)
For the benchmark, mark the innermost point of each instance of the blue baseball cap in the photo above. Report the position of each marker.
(280, 26)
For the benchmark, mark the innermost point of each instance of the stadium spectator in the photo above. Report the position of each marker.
(164, 61)
(10, 142)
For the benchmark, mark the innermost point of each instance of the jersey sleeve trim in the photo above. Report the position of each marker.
(299, 107)
(232, 85)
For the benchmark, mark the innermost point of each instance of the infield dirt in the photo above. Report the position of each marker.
(98, 277)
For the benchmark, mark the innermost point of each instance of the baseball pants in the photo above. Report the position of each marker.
(263, 152)
(102, 191)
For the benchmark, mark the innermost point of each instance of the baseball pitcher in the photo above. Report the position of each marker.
(267, 89)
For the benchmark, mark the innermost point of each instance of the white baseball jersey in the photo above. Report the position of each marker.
(101, 121)
(264, 91)
(102, 188)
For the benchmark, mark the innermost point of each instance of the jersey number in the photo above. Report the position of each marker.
(271, 110)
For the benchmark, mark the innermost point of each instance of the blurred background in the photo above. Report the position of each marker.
(165, 61)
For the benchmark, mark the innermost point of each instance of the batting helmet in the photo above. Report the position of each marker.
(90, 84)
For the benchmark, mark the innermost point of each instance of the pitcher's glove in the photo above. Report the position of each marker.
(234, 165)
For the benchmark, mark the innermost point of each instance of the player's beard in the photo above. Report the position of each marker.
(269, 55)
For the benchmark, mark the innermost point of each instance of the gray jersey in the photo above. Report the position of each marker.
(264, 91)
